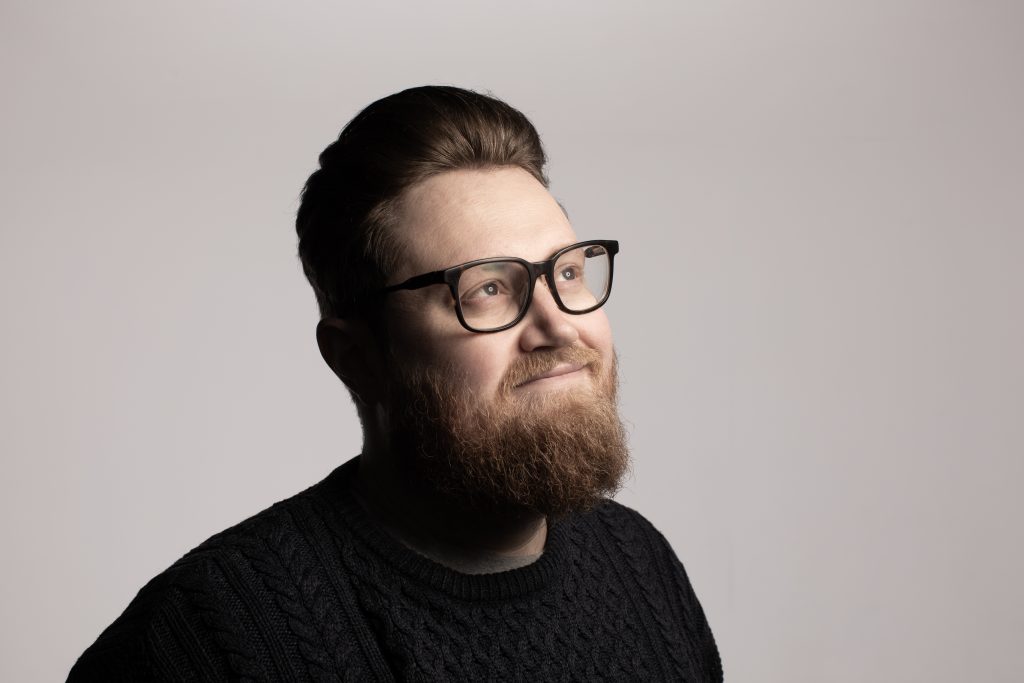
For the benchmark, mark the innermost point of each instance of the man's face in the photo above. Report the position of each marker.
(460, 216)
(525, 416)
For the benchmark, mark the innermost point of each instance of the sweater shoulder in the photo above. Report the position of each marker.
(273, 535)
(637, 539)
(206, 616)
(244, 535)
(667, 587)
(626, 524)
(640, 551)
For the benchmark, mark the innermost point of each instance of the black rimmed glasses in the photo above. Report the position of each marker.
(493, 294)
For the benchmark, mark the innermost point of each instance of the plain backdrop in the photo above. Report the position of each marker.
(818, 303)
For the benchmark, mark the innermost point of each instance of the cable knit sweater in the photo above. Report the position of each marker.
(313, 589)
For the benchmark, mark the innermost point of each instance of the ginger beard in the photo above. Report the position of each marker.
(554, 452)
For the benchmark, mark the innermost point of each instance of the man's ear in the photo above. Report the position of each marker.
(348, 346)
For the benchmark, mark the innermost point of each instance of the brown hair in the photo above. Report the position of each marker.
(348, 205)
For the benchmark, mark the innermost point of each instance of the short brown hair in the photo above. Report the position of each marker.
(348, 205)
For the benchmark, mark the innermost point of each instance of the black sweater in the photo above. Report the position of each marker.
(313, 589)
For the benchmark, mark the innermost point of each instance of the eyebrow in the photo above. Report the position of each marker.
(492, 266)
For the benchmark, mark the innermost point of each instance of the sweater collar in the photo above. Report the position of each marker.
(403, 560)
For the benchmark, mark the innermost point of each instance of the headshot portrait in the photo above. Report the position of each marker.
(467, 342)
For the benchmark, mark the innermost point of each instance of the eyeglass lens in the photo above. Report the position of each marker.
(494, 294)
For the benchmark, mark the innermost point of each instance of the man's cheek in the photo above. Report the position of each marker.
(484, 372)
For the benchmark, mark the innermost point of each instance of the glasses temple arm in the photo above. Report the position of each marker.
(417, 282)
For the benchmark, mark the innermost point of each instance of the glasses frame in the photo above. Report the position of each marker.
(450, 277)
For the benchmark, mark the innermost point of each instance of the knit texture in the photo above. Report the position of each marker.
(313, 589)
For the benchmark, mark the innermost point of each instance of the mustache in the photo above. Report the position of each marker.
(527, 367)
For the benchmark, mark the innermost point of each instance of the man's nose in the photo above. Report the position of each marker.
(545, 324)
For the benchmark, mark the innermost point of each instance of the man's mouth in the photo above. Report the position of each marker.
(558, 371)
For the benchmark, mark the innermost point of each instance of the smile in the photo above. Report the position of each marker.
(557, 374)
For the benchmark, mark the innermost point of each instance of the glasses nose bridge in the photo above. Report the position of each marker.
(541, 269)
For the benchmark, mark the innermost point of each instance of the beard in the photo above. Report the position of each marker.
(551, 452)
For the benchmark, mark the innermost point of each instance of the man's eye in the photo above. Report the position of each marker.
(569, 272)
(484, 291)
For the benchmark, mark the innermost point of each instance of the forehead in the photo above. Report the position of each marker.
(459, 216)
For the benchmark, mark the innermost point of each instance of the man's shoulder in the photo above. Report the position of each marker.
(264, 529)
(269, 532)
(210, 601)
(635, 546)
(273, 537)
(639, 551)
(623, 522)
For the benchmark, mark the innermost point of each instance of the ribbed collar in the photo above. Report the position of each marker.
(336, 491)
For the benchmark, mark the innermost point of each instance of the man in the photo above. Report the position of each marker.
(473, 538)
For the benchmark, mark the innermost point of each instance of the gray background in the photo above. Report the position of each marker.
(818, 307)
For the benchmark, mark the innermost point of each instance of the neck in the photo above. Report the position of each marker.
(437, 527)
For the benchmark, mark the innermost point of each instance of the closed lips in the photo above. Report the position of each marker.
(557, 371)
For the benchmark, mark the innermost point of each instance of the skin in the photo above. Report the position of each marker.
(448, 219)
